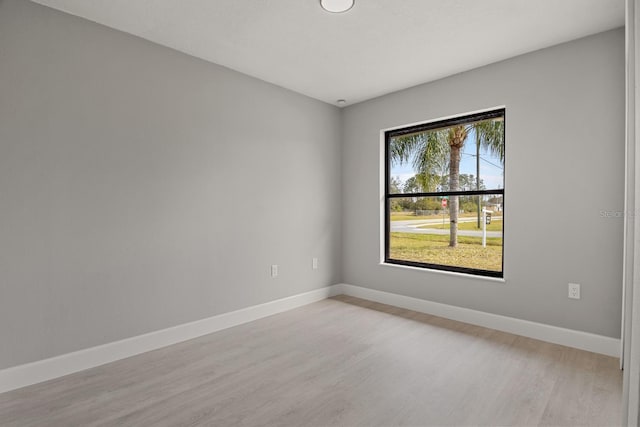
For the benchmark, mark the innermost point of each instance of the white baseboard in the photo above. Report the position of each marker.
(47, 369)
(553, 334)
(43, 370)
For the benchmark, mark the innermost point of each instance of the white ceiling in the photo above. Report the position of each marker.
(377, 47)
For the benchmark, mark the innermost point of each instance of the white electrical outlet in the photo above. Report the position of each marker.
(314, 263)
(574, 290)
(274, 270)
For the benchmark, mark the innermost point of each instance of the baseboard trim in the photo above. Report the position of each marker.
(553, 334)
(47, 369)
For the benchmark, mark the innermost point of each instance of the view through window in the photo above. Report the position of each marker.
(444, 195)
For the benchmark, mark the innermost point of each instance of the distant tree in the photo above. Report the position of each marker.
(468, 182)
(413, 185)
(394, 187)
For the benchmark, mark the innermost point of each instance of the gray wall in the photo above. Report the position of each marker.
(564, 166)
(141, 188)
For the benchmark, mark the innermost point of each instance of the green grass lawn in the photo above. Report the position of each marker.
(406, 216)
(496, 225)
(434, 249)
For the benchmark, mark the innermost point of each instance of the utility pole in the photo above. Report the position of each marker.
(478, 175)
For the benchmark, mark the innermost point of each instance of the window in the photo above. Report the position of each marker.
(444, 194)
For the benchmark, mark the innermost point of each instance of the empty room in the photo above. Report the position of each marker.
(319, 213)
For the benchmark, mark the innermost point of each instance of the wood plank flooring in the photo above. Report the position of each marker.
(337, 362)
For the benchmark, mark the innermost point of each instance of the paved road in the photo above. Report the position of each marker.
(412, 226)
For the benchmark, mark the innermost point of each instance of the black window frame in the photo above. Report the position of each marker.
(427, 126)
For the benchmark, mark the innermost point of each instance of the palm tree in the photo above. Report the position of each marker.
(433, 149)
(429, 151)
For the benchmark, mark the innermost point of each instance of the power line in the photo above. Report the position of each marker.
(483, 159)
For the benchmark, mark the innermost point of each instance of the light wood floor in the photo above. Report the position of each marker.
(338, 362)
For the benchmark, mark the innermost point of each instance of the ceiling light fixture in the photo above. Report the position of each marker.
(341, 102)
(336, 6)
